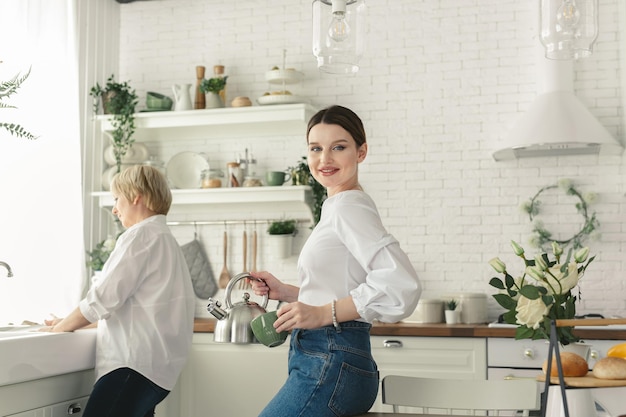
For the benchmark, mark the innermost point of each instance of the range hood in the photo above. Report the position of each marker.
(557, 122)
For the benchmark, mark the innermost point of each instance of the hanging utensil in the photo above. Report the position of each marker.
(254, 249)
(243, 284)
(224, 275)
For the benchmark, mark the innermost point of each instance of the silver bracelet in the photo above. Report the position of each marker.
(335, 322)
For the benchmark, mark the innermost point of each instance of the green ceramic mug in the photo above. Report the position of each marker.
(264, 331)
(274, 178)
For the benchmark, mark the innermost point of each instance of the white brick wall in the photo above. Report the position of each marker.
(440, 84)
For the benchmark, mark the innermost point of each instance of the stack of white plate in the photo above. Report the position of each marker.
(184, 169)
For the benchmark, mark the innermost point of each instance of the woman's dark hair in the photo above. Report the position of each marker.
(342, 116)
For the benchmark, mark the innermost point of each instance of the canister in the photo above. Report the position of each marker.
(427, 311)
(473, 306)
(235, 174)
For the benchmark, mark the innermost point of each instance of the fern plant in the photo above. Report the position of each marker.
(7, 89)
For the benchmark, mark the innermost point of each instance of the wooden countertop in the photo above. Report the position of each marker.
(206, 325)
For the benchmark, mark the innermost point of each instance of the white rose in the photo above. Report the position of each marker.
(568, 279)
(530, 312)
(109, 244)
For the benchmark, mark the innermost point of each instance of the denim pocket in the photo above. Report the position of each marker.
(355, 390)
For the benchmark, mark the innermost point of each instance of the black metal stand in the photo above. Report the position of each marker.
(554, 347)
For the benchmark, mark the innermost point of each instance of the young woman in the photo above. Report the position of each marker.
(351, 272)
(143, 303)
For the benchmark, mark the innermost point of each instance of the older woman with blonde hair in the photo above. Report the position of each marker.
(143, 303)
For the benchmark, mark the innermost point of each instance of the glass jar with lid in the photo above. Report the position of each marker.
(211, 178)
(235, 174)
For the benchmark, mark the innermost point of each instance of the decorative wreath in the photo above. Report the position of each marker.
(543, 236)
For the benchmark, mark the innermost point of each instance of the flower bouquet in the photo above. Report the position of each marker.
(542, 293)
(99, 255)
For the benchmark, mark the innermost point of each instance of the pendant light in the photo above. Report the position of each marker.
(338, 35)
(569, 28)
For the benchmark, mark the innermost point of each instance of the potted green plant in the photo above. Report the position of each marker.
(281, 237)
(301, 175)
(212, 87)
(7, 89)
(282, 227)
(453, 315)
(120, 100)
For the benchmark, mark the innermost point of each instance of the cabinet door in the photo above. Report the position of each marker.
(432, 357)
(225, 379)
(39, 412)
(72, 408)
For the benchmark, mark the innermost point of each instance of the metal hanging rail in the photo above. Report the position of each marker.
(228, 222)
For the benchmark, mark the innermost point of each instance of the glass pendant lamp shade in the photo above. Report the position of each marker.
(569, 28)
(339, 35)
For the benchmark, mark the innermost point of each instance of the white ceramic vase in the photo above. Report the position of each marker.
(453, 316)
(214, 101)
(280, 245)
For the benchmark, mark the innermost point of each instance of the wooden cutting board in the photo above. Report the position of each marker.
(587, 381)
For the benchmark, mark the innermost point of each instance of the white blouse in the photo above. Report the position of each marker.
(144, 302)
(350, 253)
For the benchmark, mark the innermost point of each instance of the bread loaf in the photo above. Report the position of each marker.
(573, 365)
(610, 368)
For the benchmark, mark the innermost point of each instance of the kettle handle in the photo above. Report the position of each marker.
(232, 283)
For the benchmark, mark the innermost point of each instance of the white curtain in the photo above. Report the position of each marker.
(41, 216)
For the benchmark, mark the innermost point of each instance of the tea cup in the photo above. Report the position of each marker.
(274, 178)
(264, 331)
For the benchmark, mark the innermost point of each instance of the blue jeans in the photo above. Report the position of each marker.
(124, 393)
(331, 374)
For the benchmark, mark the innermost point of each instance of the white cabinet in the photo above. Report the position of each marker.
(72, 408)
(225, 379)
(431, 357)
(56, 396)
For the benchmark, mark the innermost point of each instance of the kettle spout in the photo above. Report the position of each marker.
(214, 308)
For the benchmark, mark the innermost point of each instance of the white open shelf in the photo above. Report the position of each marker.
(247, 195)
(228, 122)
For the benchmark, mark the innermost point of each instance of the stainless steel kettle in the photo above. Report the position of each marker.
(233, 323)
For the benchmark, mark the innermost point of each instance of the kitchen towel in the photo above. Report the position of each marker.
(204, 284)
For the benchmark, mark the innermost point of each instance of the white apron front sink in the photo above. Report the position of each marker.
(27, 355)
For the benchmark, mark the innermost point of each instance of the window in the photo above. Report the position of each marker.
(41, 220)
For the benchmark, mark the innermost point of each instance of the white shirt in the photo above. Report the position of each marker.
(350, 253)
(145, 303)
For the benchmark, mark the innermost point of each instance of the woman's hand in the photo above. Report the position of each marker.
(264, 283)
(302, 316)
(50, 323)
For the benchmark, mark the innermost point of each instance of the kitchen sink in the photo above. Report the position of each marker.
(28, 354)
(21, 334)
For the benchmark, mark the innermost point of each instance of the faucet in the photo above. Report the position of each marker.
(6, 265)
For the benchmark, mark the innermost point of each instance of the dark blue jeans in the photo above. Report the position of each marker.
(330, 374)
(124, 393)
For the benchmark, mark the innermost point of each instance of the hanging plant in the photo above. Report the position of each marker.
(301, 175)
(120, 100)
(7, 89)
(542, 236)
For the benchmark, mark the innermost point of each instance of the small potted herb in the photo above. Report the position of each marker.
(212, 87)
(282, 227)
(281, 233)
(453, 315)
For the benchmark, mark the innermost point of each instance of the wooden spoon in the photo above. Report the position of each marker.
(253, 268)
(224, 275)
(243, 283)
